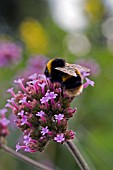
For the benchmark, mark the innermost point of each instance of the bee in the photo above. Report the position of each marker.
(69, 75)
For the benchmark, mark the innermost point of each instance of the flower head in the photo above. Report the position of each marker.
(42, 115)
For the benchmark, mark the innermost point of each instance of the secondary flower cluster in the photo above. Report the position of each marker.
(3, 123)
(42, 112)
(91, 64)
(35, 64)
(9, 53)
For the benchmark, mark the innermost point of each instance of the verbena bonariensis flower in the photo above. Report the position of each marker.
(35, 64)
(42, 112)
(3, 123)
(10, 52)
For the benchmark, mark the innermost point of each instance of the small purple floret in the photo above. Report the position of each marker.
(19, 81)
(21, 113)
(41, 113)
(3, 111)
(24, 120)
(51, 95)
(44, 100)
(44, 130)
(33, 76)
(88, 82)
(4, 121)
(59, 138)
(27, 139)
(59, 116)
(23, 100)
(18, 147)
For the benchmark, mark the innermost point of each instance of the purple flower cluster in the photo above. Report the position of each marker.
(35, 64)
(9, 53)
(42, 112)
(3, 123)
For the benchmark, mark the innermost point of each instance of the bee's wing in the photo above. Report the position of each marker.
(67, 70)
(77, 66)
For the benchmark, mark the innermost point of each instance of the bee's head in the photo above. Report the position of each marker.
(58, 62)
(52, 64)
(50, 70)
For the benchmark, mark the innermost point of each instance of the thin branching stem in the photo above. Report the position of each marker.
(24, 158)
(77, 156)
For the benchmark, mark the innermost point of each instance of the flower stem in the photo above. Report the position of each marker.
(77, 156)
(24, 158)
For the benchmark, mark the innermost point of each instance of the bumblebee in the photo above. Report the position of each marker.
(69, 75)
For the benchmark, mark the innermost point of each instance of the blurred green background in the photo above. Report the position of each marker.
(78, 31)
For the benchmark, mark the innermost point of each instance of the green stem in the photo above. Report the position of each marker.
(24, 158)
(77, 156)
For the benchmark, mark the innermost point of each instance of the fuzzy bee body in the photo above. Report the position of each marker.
(69, 75)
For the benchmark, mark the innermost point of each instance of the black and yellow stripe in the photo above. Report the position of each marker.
(70, 78)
